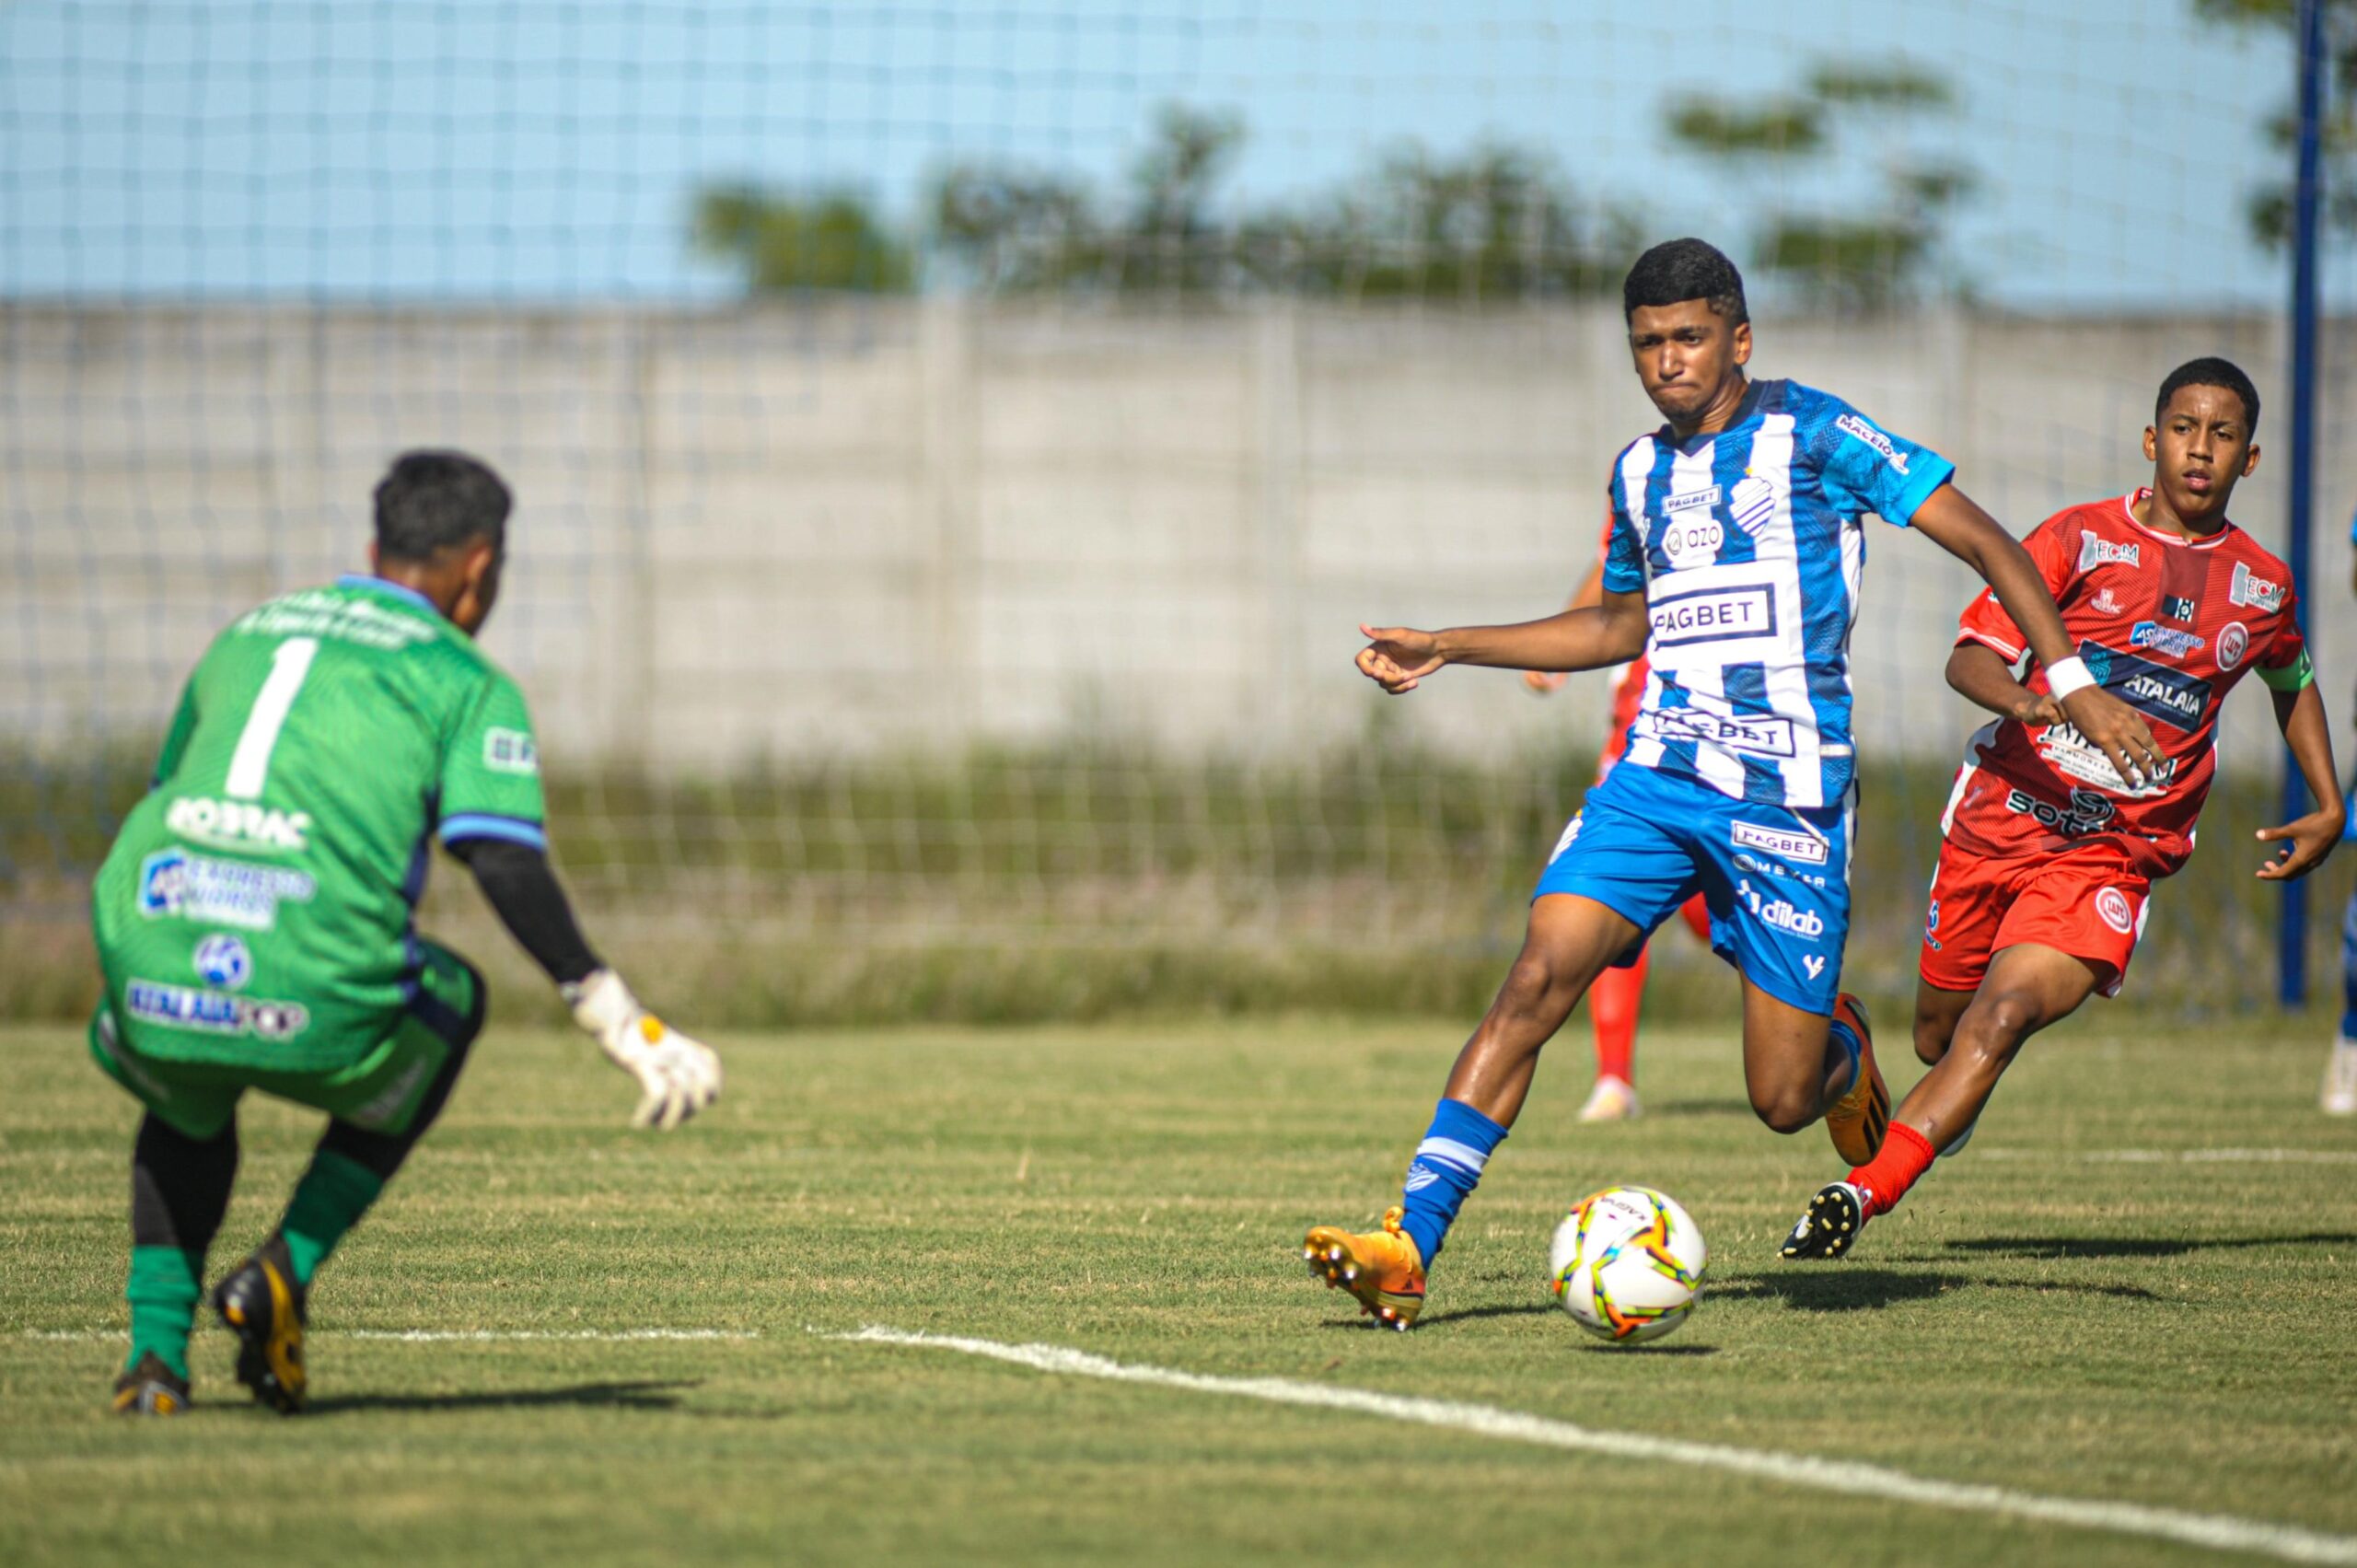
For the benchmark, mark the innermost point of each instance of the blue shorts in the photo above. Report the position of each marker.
(1776, 880)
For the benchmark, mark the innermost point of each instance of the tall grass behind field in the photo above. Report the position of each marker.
(1085, 881)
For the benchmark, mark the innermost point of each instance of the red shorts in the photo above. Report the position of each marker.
(2087, 902)
(1627, 697)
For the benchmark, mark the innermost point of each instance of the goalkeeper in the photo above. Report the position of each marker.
(255, 918)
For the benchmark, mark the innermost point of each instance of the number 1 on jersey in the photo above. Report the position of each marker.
(250, 764)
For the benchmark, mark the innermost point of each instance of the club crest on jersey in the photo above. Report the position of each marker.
(223, 962)
(1859, 429)
(2249, 592)
(2096, 551)
(2233, 644)
(2167, 640)
(1708, 615)
(237, 824)
(1753, 504)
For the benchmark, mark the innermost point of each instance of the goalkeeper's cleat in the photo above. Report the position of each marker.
(1835, 1217)
(1612, 1099)
(150, 1389)
(1858, 1120)
(264, 1307)
(1382, 1268)
(2340, 1096)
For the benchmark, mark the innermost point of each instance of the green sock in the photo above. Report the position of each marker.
(328, 1201)
(166, 1284)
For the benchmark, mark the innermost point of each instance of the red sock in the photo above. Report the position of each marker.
(1614, 1002)
(1905, 1155)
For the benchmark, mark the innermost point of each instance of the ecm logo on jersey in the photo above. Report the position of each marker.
(2254, 593)
(2096, 551)
(1710, 615)
(186, 1007)
(237, 824)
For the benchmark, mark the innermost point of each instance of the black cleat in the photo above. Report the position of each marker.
(1835, 1217)
(150, 1389)
(263, 1307)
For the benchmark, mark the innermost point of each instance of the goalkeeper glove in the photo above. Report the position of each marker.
(678, 1076)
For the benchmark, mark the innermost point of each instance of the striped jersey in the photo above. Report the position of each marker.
(1750, 547)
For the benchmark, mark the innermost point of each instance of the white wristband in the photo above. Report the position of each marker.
(2066, 676)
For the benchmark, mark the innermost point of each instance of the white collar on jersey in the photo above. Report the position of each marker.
(2128, 510)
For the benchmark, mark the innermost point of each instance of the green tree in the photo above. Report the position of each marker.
(779, 242)
(1868, 256)
(1498, 224)
(2268, 206)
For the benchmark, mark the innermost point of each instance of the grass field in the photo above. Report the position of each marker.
(2075, 1309)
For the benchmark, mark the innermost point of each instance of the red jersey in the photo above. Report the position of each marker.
(2165, 625)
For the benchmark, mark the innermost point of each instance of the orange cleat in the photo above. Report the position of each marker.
(1859, 1119)
(1382, 1268)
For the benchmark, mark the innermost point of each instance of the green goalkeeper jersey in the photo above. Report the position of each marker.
(257, 908)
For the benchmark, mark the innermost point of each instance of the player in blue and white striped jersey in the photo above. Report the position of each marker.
(1738, 548)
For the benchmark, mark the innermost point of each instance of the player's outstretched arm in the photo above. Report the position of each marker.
(2307, 840)
(1588, 596)
(1398, 657)
(1979, 674)
(1951, 520)
(677, 1077)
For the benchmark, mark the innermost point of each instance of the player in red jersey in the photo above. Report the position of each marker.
(2049, 854)
(1619, 995)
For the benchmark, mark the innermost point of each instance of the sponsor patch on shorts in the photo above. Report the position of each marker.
(1790, 844)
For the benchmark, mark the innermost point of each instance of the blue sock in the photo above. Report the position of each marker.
(1447, 1168)
(2349, 969)
(1846, 1038)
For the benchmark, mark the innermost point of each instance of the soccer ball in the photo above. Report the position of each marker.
(1628, 1264)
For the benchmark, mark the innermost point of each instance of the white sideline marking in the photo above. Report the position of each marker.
(452, 1336)
(2182, 1156)
(2292, 1543)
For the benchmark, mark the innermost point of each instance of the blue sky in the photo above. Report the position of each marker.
(548, 149)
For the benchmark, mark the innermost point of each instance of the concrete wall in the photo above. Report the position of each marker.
(790, 531)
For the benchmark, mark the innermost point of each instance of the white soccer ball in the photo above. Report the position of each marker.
(1628, 1264)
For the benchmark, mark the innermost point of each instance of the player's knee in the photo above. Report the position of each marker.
(1537, 986)
(1785, 1108)
(1995, 1026)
